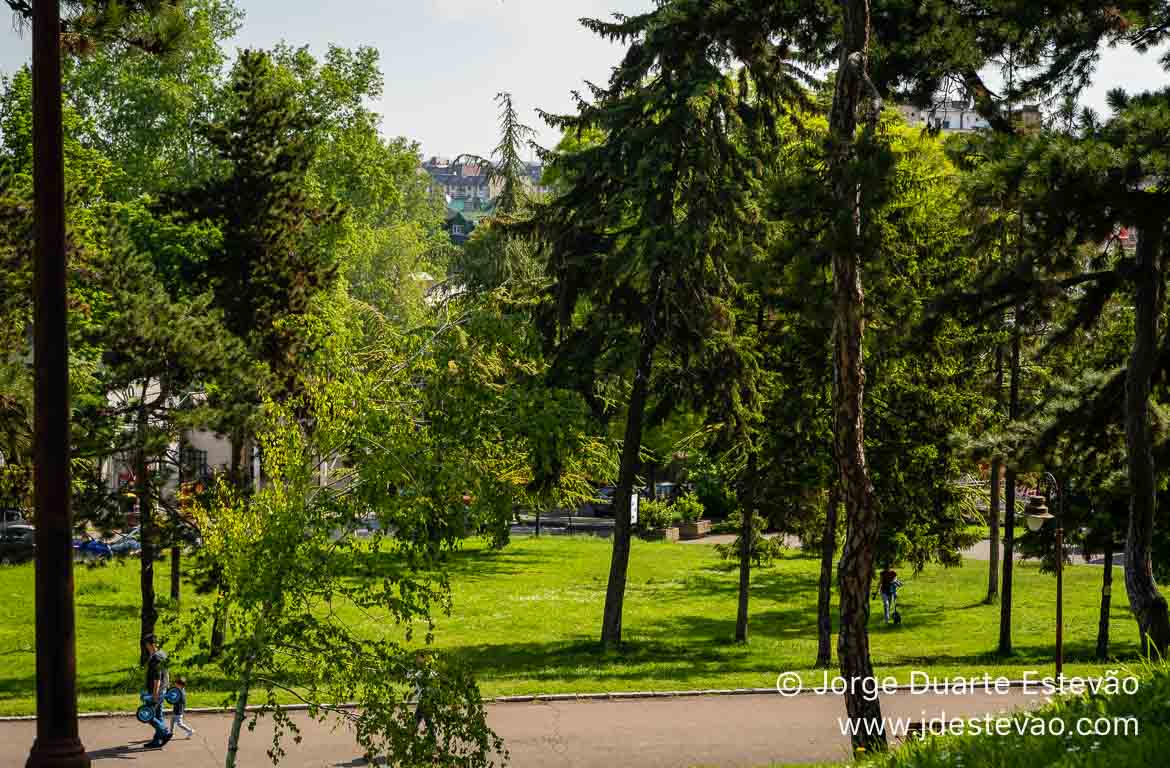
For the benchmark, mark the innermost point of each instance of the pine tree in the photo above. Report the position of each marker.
(1076, 191)
(651, 220)
(274, 259)
(159, 349)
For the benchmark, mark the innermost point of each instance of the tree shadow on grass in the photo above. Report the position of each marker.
(583, 660)
(1039, 655)
(465, 564)
(687, 664)
(122, 611)
(479, 564)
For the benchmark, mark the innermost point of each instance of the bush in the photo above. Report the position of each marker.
(656, 514)
(688, 508)
(713, 487)
(763, 551)
(1148, 746)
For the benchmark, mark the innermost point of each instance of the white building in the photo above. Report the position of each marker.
(197, 457)
(961, 117)
(955, 116)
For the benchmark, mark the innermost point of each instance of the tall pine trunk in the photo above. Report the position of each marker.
(825, 587)
(1106, 599)
(745, 550)
(148, 532)
(1149, 607)
(615, 592)
(996, 471)
(993, 534)
(1009, 511)
(180, 502)
(239, 443)
(176, 572)
(855, 572)
(746, 532)
(217, 632)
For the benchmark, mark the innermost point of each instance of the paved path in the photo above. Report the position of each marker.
(604, 527)
(741, 730)
(729, 538)
(982, 551)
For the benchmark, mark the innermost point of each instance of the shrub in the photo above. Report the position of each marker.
(713, 487)
(763, 551)
(656, 514)
(688, 507)
(1145, 744)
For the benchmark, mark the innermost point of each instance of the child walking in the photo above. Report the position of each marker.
(179, 707)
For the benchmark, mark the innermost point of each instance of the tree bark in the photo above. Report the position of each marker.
(217, 633)
(1009, 512)
(996, 471)
(745, 551)
(1149, 607)
(855, 572)
(611, 622)
(238, 463)
(747, 529)
(176, 572)
(825, 588)
(1106, 595)
(147, 529)
(993, 534)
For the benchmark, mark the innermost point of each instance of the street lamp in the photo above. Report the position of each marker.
(57, 744)
(1036, 515)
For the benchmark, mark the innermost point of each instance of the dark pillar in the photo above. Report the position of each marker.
(56, 743)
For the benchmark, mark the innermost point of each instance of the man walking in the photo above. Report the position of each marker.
(157, 679)
(888, 584)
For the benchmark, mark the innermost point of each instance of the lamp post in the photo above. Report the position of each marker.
(1036, 514)
(57, 743)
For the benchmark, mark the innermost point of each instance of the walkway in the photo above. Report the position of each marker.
(677, 732)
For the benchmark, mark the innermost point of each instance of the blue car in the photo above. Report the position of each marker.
(90, 548)
(125, 544)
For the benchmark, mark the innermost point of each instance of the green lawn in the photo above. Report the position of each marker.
(527, 619)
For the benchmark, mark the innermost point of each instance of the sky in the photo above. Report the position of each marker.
(445, 60)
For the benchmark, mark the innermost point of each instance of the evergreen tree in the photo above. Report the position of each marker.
(1078, 190)
(652, 219)
(274, 258)
(159, 349)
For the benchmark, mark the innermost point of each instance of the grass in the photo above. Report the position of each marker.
(527, 619)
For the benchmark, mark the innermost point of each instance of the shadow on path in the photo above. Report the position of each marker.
(120, 752)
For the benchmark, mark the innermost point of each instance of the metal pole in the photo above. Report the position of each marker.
(56, 743)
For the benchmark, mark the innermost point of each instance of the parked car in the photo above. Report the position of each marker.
(665, 490)
(124, 544)
(17, 544)
(602, 503)
(9, 516)
(89, 548)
